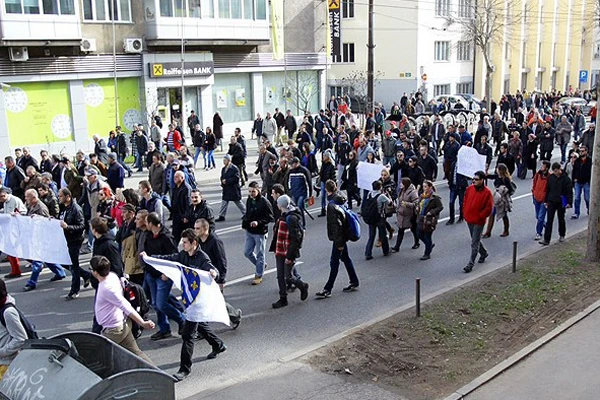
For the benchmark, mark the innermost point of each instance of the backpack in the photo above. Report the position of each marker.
(513, 186)
(370, 210)
(136, 296)
(27, 325)
(352, 225)
(300, 231)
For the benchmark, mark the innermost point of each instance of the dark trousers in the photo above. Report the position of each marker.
(178, 227)
(353, 194)
(286, 276)
(456, 191)
(373, 229)
(76, 271)
(476, 245)
(427, 239)
(334, 263)
(545, 155)
(553, 209)
(187, 348)
(400, 236)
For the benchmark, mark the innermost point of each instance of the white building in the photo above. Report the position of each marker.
(413, 41)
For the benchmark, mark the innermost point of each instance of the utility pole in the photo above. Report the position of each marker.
(593, 245)
(370, 67)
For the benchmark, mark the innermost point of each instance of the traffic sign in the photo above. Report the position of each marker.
(424, 77)
(583, 76)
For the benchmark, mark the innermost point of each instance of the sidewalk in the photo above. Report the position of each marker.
(565, 368)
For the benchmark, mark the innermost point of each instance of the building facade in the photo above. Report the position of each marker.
(76, 68)
(415, 50)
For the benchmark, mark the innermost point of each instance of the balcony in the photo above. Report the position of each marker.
(208, 22)
(39, 20)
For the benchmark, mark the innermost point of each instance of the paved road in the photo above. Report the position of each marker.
(565, 368)
(267, 335)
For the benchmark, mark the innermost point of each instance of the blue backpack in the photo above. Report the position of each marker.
(352, 224)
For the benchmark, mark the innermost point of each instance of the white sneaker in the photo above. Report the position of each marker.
(538, 237)
(561, 239)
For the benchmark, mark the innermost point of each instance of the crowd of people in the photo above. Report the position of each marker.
(166, 216)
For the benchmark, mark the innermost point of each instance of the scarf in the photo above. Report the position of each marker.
(425, 199)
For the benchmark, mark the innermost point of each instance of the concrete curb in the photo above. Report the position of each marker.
(516, 358)
(322, 343)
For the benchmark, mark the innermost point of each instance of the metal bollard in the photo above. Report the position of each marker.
(514, 263)
(418, 297)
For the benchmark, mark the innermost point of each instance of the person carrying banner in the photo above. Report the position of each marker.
(193, 257)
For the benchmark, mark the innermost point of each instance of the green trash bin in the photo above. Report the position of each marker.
(83, 366)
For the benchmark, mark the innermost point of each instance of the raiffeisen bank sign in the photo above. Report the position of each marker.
(169, 70)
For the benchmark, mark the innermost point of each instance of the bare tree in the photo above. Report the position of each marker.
(358, 84)
(300, 90)
(486, 23)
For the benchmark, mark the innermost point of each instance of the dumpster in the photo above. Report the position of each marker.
(83, 366)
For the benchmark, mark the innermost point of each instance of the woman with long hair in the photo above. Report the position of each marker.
(210, 144)
(430, 207)
(406, 213)
(505, 188)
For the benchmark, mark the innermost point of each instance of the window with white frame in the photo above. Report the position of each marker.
(442, 51)
(347, 8)
(228, 9)
(339, 91)
(463, 51)
(464, 87)
(46, 7)
(441, 89)
(465, 9)
(442, 8)
(347, 54)
(104, 10)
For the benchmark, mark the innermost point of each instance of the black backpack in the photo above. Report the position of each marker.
(136, 296)
(27, 325)
(370, 210)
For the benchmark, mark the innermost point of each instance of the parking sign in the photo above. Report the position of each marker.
(583, 76)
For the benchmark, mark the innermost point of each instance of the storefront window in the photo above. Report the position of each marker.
(273, 95)
(232, 97)
(300, 87)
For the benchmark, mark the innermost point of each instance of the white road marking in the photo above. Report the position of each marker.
(249, 277)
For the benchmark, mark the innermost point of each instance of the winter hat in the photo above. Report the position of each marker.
(227, 157)
(328, 153)
(112, 156)
(285, 202)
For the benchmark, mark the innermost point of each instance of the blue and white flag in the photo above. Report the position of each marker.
(201, 297)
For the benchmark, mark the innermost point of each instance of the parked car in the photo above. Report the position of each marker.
(579, 102)
(477, 103)
(455, 99)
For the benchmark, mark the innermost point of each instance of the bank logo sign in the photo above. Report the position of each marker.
(173, 70)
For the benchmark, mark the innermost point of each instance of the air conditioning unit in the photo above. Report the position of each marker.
(88, 45)
(134, 45)
(18, 53)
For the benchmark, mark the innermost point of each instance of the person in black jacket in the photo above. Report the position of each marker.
(232, 191)
(14, 176)
(236, 151)
(337, 225)
(160, 242)
(256, 223)
(506, 158)
(559, 197)
(214, 248)
(291, 126)
(327, 172)
(197, 210)
(427, 164)
(180, 204)
(582, 176)
(286, 243)
(104, 245)
(485, 149)
(73, 224)
(193, 257)
(547, 142)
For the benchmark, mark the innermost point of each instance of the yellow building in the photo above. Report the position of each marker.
(543, 45)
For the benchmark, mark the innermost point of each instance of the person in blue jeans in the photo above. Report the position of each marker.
(378, 226)
(327, 172)
(160, 242)
(538, 190)
(582, 175)
(337, 233)
(259, 213)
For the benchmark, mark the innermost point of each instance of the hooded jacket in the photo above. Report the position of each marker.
(336, 220)
(13, 335)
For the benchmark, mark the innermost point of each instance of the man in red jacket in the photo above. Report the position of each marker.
(477, 207)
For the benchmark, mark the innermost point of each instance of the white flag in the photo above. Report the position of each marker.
(202, 297)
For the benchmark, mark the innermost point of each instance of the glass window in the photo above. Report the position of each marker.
(442, 8)
(463, 51)
(224, 9)
(441, 89)
(464, 88)
(236, 9)
(100, 10)
(208, 10)
(248, 9)
(261, 9)
(232, 97)
(273, 84)
(179, 10)
(464, 9)
(166, 8)
(67, 7)
(50, 6)
(31, 6)
(87, 10)
(347, 54)
(441, 51)
(13, 7)
(194, 9)
(348, 9)
(124, 12)
(113, 10)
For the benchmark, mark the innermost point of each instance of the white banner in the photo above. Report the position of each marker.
(469, 161)
(202, 297)
(37, 238)
(367, 174)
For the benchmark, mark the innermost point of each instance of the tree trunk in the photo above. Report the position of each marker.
(593, 245)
